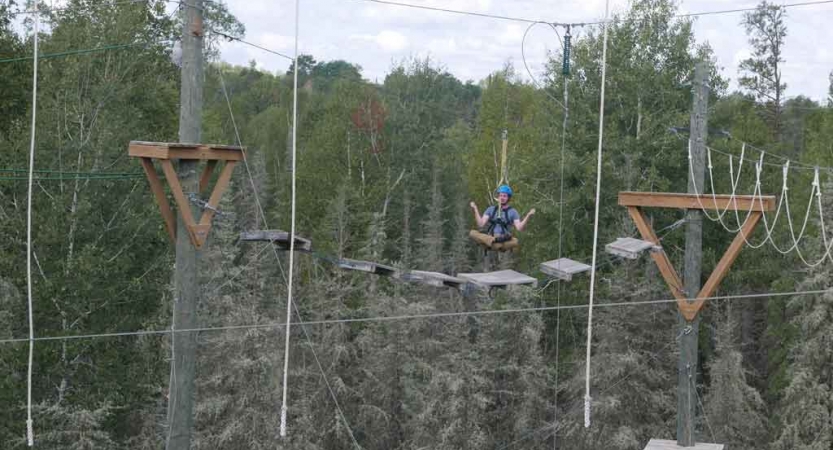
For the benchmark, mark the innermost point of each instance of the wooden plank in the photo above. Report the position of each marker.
(563, 268)
(181, 202)
(277, 237)
(690, 201)
(217, 193)
(660, 257)
(659, 444)
(206, 174)
(161, 199)
(629, 247)
(184, 151)
(432, 278)
(726, 262)
(499, 279)
(366, 266)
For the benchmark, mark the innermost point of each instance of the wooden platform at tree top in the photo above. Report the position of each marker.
(693, 201)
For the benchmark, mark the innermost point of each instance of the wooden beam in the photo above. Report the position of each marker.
(197, 233)
(726, 262)
(660, 257)
(217, 193)
(206, 174)
(161, 199)
(692, 201)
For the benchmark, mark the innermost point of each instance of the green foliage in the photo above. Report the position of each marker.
(385, 171)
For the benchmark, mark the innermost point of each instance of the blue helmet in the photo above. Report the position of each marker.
(505, 189)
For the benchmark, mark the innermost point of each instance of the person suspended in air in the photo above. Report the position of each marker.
(499, 221)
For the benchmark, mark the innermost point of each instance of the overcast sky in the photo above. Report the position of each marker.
(376, 36)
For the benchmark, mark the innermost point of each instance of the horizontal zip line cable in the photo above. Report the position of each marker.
(578, 24)
(242, 41)
(60, 172)
(281, 325)
(71, 178)
(75, 52)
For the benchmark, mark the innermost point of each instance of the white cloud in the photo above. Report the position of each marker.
(372, 35)
(388, 40)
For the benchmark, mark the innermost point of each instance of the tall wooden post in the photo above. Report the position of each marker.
(687, 366)
(186, 289)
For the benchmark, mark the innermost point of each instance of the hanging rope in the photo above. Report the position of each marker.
(566, 74)
(292, 226)
(783, 203)
(30, 435)
(504, 164)
(587, 398)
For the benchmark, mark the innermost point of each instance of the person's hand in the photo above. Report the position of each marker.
(472, 205)
(531, 212)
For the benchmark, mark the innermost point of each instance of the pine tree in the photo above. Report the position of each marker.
(804, 412)
(734, 410)
(766, 30)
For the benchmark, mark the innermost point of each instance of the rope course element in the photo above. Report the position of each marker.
(526, 66)
(242, 41)
(586, 23)
(74, 52)
(289, 283)
(30, 435)
(783, 204)
(397, 318)
(587, 399)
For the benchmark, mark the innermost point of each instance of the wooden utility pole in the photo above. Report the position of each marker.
(687, 366)
(186, 289)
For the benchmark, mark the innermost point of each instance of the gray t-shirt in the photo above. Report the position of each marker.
(510, 214)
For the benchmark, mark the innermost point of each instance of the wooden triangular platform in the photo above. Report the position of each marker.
(754, 206)
(501, 278)
(165, 152)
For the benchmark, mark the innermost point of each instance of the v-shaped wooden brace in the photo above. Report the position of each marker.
(165, 152)
(755, 206)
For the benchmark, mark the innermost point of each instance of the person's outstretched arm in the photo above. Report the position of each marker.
(481, 220)
(521, 224)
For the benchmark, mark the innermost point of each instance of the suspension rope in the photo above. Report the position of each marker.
(783, 204)
(566, 73)
(376, 319)
(292, 226)
(293, 305)
(587, 398)
(504, 169)
(30, 435)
